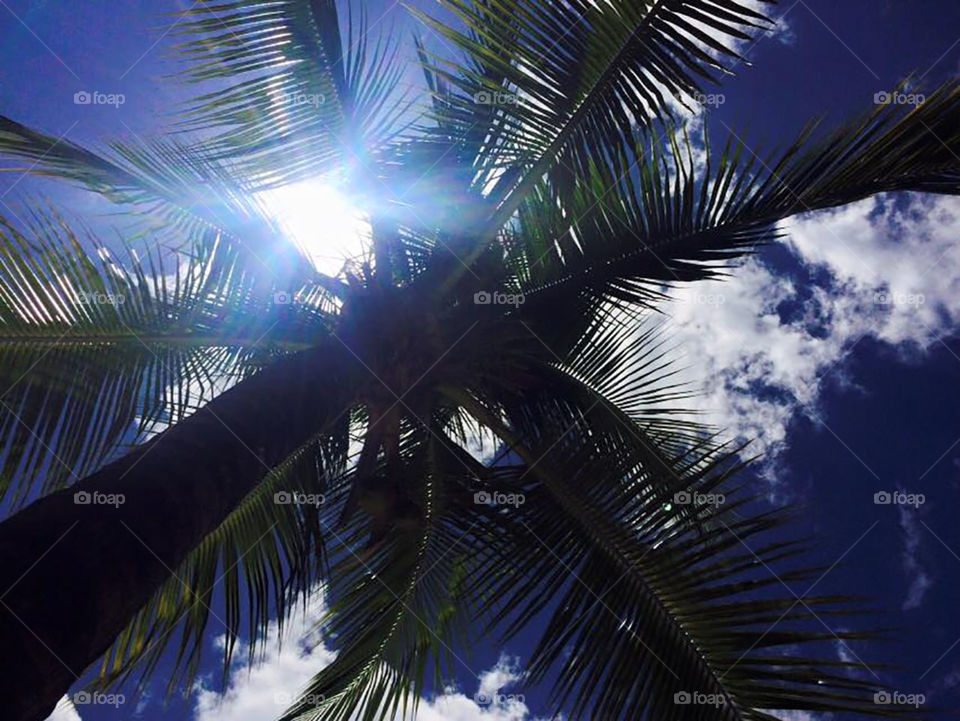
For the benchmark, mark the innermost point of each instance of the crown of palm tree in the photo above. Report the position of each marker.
(523, 227)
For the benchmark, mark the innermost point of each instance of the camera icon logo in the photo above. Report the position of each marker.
(682, 498)
(482, 699)
(483, 97)
(883, 697)
(82, 698)
(482, 298)
(681, 698)
(282, 297)
(482, 498)
(82, 498)
(882, 98)
(283, 498)
(882, 498)
(81, 97)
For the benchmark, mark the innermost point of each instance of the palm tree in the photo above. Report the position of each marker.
(164, 408)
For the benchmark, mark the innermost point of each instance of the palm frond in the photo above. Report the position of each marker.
(563, 85)
(184, 194)
(399, 604)
(291, 97)
(696, 609)
(630, 228)
(99, 350)
(263, 558)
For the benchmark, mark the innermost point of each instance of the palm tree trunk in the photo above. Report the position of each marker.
(72, 575)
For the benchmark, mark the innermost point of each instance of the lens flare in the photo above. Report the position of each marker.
(321, 220)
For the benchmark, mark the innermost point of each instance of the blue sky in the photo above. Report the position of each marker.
(837, 351)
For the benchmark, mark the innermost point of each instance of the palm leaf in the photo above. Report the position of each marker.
(299, 99)
(401, 602)
(579, 78)
(627, 230)
(186, 196)
(679, 622)
(98, 354)
(264, 557)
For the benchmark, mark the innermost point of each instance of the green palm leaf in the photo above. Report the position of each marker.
(629, 227)
(185, 196)
(99, 354)
(399, 603)
(300, 99)
(677, 620)
(578, 78)
(264, 557)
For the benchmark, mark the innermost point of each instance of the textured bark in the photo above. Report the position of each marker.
(73, 575)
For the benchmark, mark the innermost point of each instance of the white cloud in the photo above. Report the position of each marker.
(903, 245)
(65, 711)
(887, 268)
(920, 581)
(495, 699)
(265, 690)
(262, 692)
(483, 445)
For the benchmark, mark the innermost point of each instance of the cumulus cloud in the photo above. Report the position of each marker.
(262, 692)
(265, 690)
(843, 650)
(762, 344)
(899, 251)
(493, 701)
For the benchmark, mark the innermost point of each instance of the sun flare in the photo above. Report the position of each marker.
(322, 221)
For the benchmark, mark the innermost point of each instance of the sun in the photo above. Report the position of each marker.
(321, 220)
